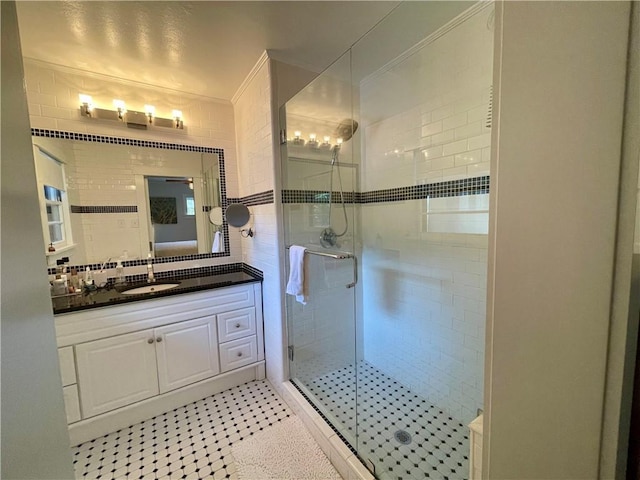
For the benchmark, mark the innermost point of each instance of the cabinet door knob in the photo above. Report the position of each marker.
(239, 354)
(150, 340)
(159, 339)
(237, 325)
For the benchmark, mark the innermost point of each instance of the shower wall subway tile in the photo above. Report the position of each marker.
(256, 185)
(254, 138)
(423, 267)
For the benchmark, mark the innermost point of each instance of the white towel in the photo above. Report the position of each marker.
(297, 284)
(218, 246)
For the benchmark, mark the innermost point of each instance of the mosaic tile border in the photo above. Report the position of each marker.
(451, 188)
(104, 209)
(327, 421)
(252, 271)
(196, 271)
(201, 271)
(262, 198)
(84, 137)
(318, 196)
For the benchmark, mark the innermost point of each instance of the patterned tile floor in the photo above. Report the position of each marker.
(439, 446)
(190, 442)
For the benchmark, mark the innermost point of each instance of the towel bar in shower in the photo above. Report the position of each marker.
(339, 256)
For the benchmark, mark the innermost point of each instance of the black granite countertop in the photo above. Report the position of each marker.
(112, 294)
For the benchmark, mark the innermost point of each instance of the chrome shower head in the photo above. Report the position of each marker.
(346, 129)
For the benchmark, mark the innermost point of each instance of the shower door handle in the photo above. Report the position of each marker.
(339, 256)
(355, 272)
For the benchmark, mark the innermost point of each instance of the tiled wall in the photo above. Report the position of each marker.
(424, 276)
(52, 93)
(253, 119)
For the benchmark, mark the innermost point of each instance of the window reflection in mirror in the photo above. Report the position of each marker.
(107, 213)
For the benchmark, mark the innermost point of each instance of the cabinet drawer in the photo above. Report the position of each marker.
(67, 366)
(236, 324)
(71, 403)
(238, 353)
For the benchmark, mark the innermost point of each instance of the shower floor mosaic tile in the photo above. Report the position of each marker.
(190, 442)
(388, 416)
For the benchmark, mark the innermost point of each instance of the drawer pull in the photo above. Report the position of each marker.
(237, 325)
(239, 354)
(150, 341)
(159, 339)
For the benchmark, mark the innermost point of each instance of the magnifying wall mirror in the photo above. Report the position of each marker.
(238, 216)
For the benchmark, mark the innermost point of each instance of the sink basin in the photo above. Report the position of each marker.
(151, 288)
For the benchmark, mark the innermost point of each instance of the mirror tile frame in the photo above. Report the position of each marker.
(85, 137)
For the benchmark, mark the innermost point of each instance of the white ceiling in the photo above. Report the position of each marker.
(206, 47)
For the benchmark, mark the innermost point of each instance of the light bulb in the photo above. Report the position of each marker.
(176, 113)
(326, 138)
(297, 134)
(312, 137)
(339, 141)
(119, 104)
(150, 110)
(85, 99)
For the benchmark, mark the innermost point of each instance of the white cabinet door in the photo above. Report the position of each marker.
(67, 366)
(187, 352)
(71, 403)
(116, 371)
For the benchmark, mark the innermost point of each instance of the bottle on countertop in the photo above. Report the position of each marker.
(119, 272)
(150, 274)
(88, 276)
(58, 286)
(74, 280)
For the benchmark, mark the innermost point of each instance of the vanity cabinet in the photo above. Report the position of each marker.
(125, 369)
(125, 363)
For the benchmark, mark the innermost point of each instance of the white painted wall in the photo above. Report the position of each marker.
(35, 441)
(560, 71)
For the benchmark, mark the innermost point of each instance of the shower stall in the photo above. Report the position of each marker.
(385, 182)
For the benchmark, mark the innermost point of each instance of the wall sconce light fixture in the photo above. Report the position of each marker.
(132, 118)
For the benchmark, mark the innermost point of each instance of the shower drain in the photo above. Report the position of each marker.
(402, 437)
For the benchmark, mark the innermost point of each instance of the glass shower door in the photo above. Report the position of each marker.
(319, 179)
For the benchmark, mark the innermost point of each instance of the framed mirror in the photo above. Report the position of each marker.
(113, 198)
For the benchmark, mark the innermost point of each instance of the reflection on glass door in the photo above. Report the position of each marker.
(319, 178)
